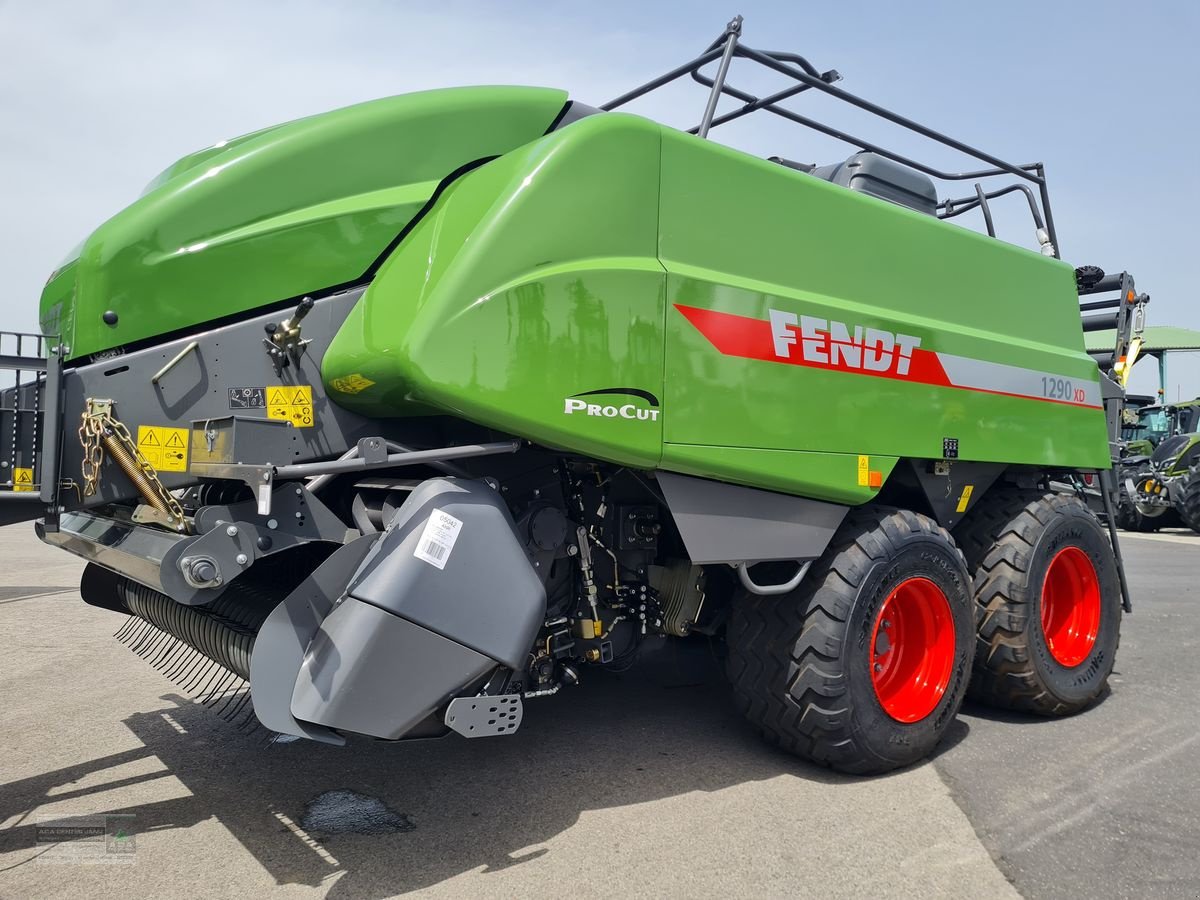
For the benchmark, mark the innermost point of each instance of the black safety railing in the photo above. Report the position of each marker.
(728, 47)
(29, 405)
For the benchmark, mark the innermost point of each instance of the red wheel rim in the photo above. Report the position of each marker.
(1070, 607)
(912, 650)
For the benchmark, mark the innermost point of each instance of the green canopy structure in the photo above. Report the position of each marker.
(1157, 341)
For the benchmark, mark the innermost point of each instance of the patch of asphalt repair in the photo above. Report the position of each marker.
(349, 812)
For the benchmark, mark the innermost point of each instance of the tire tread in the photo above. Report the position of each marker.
(998, 539)
(784, 664)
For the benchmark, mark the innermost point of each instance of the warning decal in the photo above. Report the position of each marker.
(352, 384)
(22, 479)
(965, 498)
(247, 398)
(864, 471)
(291, 402)
(164, 448)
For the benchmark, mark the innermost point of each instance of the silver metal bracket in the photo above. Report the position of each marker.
(476, 717)
(770, 590)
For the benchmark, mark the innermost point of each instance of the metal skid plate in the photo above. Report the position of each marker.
(476, 717)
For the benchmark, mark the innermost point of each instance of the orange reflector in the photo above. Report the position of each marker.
(1130, 297)
(875, 480)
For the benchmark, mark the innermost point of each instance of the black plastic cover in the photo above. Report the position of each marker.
(878, 176)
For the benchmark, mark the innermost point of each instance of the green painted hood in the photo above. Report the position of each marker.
(285, 211)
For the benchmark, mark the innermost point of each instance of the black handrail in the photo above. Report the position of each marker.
(729, 46)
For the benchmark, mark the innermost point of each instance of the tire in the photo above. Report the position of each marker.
(812, 670)
(1189, 503)
(1127, 514)
(1036, 560)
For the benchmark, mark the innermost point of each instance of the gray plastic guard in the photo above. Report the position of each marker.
(726, 523)
(880, 177)
(286, 634)
(374, 673)
(442, 598)
(470, 582)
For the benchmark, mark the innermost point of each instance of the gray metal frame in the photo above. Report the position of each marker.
(37, 402)
(729, 46)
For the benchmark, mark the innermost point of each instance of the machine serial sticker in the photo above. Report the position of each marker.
(352, 384)
(864, 471)
(247, 398)
(965, 498)
(291, 402)
(22, 479)
(437, 540)
(164, 448)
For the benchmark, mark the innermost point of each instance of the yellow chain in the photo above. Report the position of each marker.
(90, 431)
(100, 423)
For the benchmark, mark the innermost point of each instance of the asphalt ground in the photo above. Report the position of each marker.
(640, 784)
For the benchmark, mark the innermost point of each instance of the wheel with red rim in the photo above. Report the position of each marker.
(1070, 606)
(863, 666)
(1045, 583)
(912, 649)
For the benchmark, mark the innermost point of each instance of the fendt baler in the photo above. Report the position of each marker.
(392, 419)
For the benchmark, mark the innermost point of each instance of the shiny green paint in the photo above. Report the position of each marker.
(285, 211)
(534, 278)
(480, 313)
(800, 244)
(58, 300)
(555, 270)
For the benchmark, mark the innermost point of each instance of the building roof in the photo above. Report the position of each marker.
(1154, 339)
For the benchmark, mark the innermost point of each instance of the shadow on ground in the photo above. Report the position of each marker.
(665, 729)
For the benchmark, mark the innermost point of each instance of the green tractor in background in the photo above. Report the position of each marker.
(1135, 428)
(1160, 473)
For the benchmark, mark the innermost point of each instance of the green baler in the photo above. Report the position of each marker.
(415, 411)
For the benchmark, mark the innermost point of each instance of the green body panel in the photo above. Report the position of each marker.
(1185, 458)
(774, 237)
(281, 212)
(581, 290)
(557, 270)
(534, 278)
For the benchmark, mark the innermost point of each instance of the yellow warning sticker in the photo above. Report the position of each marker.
(864, 471)
(352, 384)
(164, 448)
(964, 498)
(291, 402)
(22, 479)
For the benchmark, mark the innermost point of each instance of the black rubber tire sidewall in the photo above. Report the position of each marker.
(895, 742)
(1080, 683)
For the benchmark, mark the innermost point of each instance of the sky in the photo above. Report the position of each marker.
(97, 97)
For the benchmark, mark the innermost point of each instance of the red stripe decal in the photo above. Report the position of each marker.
(859, 351)
(748, 338)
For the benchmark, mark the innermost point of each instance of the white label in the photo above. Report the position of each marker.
(437, 540)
